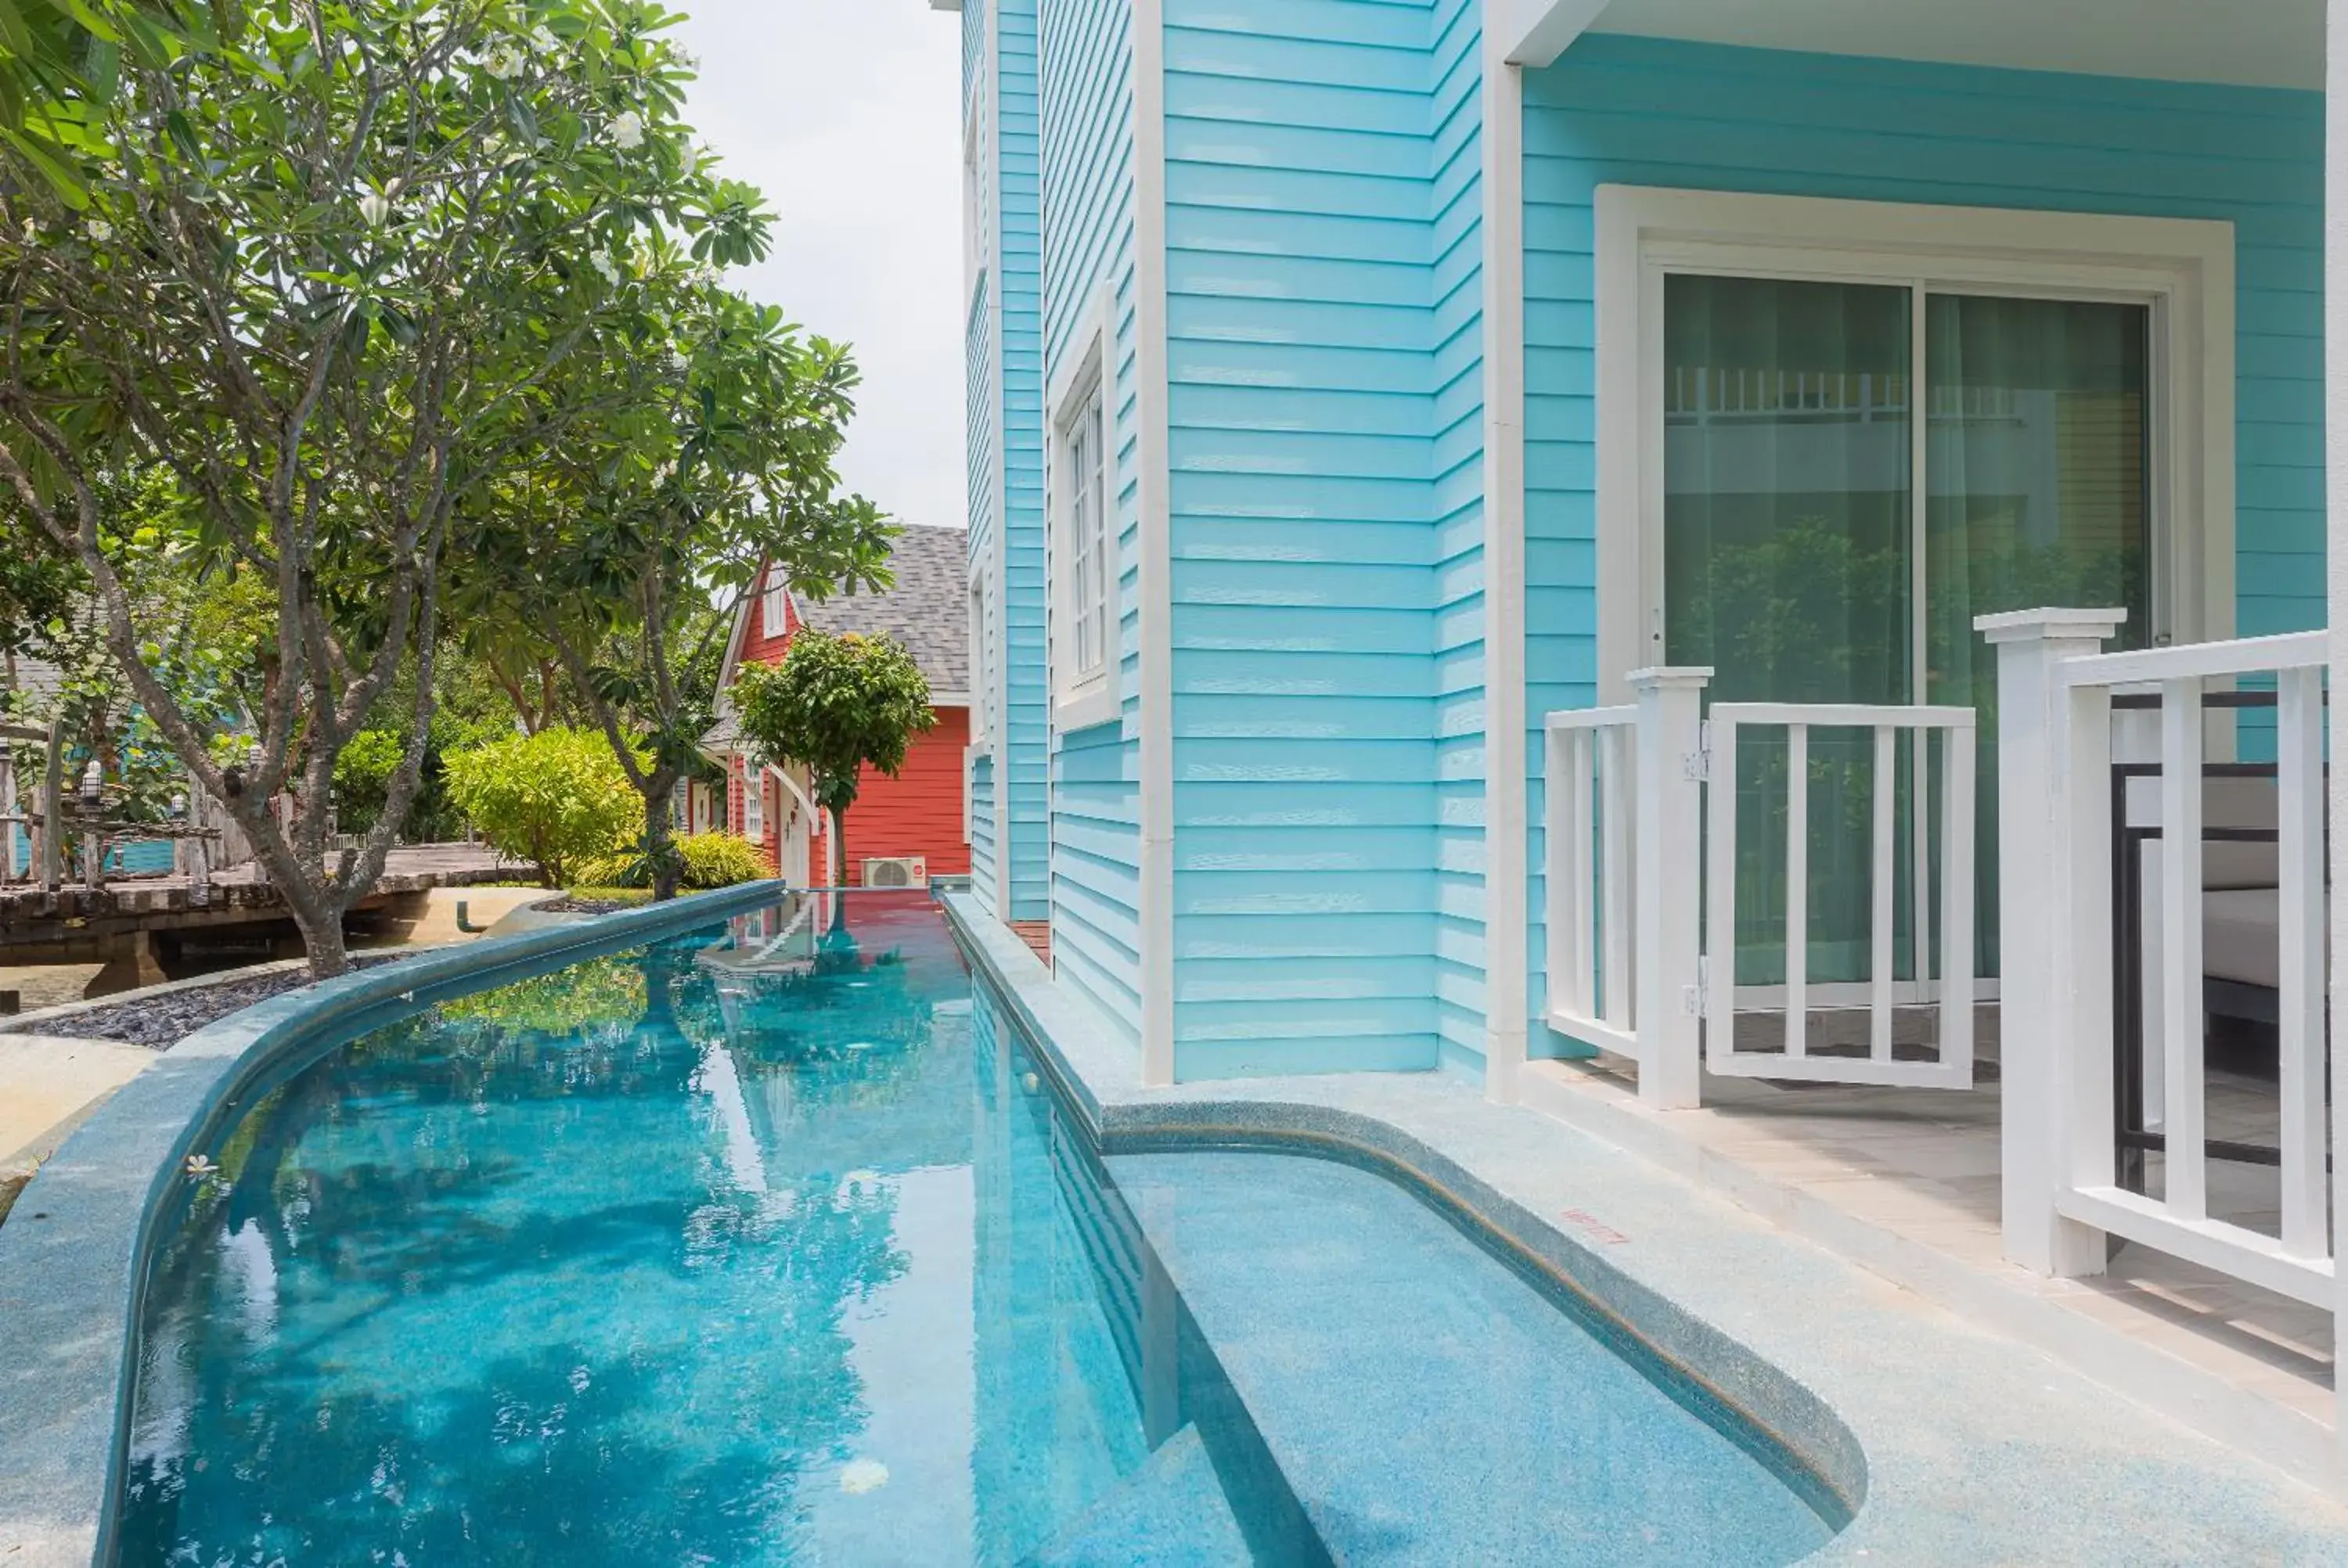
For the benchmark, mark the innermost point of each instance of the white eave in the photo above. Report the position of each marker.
(2248, 43)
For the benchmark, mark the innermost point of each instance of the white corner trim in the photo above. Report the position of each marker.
(2335, 450)
(1507, 842)
(1534, 33)
(1153, 523)
(2183, 267)
(989, 107)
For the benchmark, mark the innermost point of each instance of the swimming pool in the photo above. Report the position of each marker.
(773, 1246)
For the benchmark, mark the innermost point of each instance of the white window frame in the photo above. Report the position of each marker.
(2183, 269)
(754, 804)
(774, 601)
(974, 246)
(982, 661)
(1084, 696)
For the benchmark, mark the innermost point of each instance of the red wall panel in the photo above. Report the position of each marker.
(919, 812)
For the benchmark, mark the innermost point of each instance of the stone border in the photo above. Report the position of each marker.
(1825, 1461)
(75, 1254)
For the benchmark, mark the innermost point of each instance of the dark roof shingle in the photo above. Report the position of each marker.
(927, 610)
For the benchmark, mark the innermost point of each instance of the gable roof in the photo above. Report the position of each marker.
(927, 610)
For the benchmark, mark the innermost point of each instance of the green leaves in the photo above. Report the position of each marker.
(837, 705)
(554, 798)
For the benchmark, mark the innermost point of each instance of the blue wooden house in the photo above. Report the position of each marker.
(1361, 389)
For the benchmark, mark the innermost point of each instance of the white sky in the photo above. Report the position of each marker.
(844, 113)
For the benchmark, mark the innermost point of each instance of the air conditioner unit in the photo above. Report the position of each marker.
(897, 871)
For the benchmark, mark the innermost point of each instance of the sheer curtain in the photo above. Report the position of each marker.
(2036, 494)
(1789, 533)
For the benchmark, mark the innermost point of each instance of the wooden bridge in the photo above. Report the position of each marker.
(143, 930)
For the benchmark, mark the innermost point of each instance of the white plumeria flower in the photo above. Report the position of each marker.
(862, 1475)
(375, 208)
(503, 61)
(100, 230)
(601, 262)
(691, 160)
(628, 131)
(685, 57)
(542, 38)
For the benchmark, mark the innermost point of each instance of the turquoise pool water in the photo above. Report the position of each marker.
(765, 1246)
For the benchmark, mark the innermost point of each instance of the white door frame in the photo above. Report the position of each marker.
(791, 856)
(2183, 268)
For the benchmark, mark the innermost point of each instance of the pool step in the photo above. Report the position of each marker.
(1426, 1405)
(1170, 1513)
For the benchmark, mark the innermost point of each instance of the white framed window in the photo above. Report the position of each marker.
(773, 612)
(753, 804)
(1959, 401)
(974, 196)
(982, 661)
(1083, 630)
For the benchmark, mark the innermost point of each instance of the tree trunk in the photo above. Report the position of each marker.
(660, 837)
(322, 936)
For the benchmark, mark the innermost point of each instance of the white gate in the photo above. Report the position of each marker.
(1943, 967)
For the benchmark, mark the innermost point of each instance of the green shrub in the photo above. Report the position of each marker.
(554, 799)
(711, 860)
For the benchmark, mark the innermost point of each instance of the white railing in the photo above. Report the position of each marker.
(1623, 821)
(1945, 956)
(1592, 826)
(2063, 1187)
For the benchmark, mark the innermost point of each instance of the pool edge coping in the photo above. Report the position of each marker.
(1121, 1117)
(75, 1254)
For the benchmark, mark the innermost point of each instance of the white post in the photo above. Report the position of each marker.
(2037, 1053)
(1666, 1001)
(2335, 448)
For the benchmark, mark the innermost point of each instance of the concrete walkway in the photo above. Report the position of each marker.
(48, 1087)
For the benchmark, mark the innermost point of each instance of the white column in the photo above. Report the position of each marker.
(2335, 450)
(1506, 886)
(2042, 1089)
(1669, 857)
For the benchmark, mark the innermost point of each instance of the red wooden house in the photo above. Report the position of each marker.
(903, 830)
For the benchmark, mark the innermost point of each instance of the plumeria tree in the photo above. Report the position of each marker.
(625, 550)
(334, 275)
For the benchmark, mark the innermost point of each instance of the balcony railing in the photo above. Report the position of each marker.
(1657, 884)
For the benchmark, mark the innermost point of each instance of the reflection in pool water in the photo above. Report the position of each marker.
(771, 1245)
(763, 1246)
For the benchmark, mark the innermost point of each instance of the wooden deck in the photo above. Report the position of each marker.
(1037, 935)
(76, 925)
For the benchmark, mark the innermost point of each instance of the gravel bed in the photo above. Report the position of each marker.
(587, 906)
(164, 1020)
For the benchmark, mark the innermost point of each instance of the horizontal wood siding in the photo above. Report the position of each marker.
(1086, 101)
(919, 812)
(1317, 448)
(1024, 760)
(1652, 112)
(981, 823)
(984, 666)
(1459, 534)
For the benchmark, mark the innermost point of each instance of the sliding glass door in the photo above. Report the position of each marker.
(1829, 537)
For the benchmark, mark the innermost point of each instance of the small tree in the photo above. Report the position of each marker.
(837, 705)
(556, 798)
